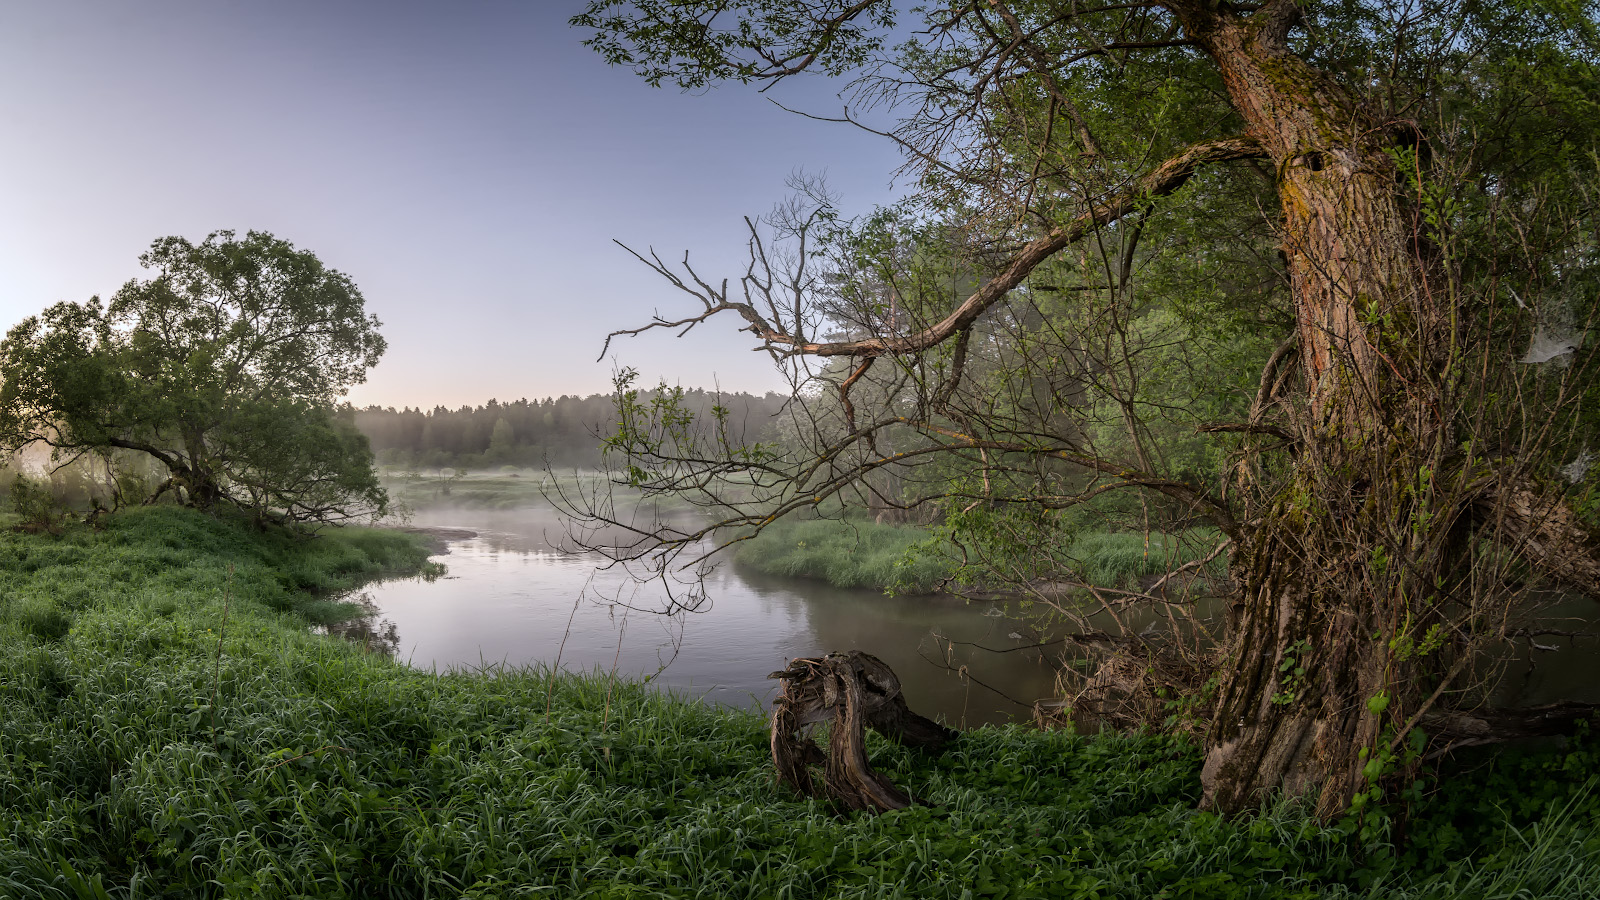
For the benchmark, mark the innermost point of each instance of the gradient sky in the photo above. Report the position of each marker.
(467, 163)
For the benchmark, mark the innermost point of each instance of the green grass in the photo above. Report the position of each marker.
(846, 553)
(501, 490)
(1119, 559)
(323, 771)
(861, 554)
(485, 490)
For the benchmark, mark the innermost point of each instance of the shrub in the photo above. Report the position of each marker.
(35, 505)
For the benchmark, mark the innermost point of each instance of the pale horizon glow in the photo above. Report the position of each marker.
(467, 165)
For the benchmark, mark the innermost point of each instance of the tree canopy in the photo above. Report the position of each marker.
(1315, 275)
(224, 367)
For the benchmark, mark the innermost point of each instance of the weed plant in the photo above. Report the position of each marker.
(172, 729)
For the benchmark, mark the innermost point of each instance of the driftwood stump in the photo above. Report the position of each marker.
(854, 691)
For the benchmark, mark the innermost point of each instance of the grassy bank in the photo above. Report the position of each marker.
(171, 731)
(846, 553)
(522, 489)
(482, 489)
(862, 554)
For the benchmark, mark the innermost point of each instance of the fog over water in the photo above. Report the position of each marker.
(511, 592)
(515, 594)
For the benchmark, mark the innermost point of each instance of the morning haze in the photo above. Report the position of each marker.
(469, 165)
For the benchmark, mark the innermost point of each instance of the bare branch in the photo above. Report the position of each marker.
(1165, 179)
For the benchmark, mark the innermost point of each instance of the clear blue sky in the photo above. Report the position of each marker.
(467, 163)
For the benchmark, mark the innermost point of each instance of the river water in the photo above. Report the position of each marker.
(512, 597)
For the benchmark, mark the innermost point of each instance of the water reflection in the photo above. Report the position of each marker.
(513, 597)
(366, 627)
(1555, 660)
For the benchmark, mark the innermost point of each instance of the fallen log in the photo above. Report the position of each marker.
(854, 691)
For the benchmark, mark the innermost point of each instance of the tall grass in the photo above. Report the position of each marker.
(846, 553)
(323, 771)
(1122, 558)
(861, 554)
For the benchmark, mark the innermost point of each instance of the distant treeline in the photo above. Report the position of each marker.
(565, 431)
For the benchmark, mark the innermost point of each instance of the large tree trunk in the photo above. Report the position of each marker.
(193, 486)
(1309, 677)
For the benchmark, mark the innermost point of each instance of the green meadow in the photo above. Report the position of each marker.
(172, 727)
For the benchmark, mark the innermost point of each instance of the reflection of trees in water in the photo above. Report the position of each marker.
(366, 628)
(966, 663)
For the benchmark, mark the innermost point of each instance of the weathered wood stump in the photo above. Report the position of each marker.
(854, 691)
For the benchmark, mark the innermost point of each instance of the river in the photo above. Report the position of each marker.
(511, 597)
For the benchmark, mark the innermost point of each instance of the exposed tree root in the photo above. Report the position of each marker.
(854, 691)
(1136, 687)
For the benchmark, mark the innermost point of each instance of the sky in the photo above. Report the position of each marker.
(468, 164)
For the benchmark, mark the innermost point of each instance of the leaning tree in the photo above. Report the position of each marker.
(224, 369)
(1386, 211)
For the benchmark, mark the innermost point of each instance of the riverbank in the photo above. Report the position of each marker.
(172, 728)
(908, 559)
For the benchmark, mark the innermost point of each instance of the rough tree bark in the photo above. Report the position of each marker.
(1306, 684)
(854, 691)
(1313, 672)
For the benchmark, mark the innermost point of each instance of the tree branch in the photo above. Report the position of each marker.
(1216, 511)
(1492, 726)
(1164, 180)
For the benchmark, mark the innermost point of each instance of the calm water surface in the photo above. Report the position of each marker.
(510, 594)
(512, 597)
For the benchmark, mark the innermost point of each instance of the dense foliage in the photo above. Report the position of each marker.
(168, 727)
(223, 369)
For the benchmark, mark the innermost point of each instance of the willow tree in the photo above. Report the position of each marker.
(1401, 193)
(224, 368)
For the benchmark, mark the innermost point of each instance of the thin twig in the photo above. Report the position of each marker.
(611, 680)
(550, 687)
